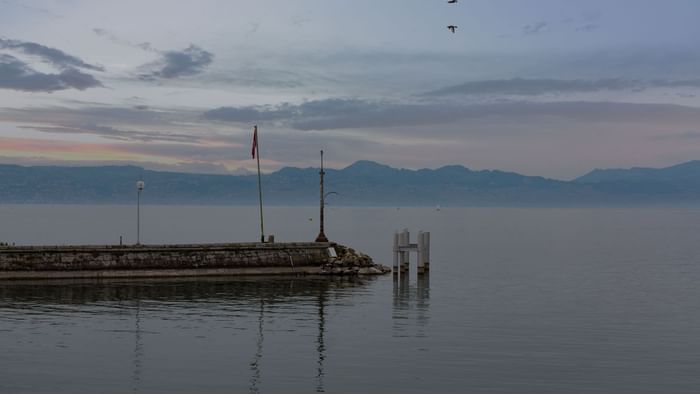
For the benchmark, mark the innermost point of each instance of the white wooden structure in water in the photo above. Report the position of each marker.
(403, 248)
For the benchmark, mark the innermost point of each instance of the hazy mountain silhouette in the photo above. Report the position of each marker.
(685, 172)
(362, 183)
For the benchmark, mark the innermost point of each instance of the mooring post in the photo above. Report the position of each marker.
(426, 251)
(420, 244)
(403, 248)
(405, 254)
(396, 253)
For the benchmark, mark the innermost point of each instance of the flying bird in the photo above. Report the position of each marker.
(452, 28)
(451, 1)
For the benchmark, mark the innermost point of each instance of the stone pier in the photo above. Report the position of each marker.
(46, 262)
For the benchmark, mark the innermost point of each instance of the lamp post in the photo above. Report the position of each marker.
(328, 194)
(321, 236)
(139, 188)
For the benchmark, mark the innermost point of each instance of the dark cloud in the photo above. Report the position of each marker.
(535, 87)
(174, 64)
(17, 75)
(251, 114)
(587, 27)
(146, 46)
(262, 77)
(354, 113)
(662, 83)
(53, 56)
(116, 134)
(534, 28)
(189, 167)
(95, 115)
(117, 123)
(333, 114)
(191, 152)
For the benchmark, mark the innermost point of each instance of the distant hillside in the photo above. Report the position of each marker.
(686, 172)
(362, 183)
(676, 183)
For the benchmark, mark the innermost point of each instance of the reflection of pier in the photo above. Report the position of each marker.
(320, 344)
(256, 364)
(138, 349)
(147, 302)
(410, 300)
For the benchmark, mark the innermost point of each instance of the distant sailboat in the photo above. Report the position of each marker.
(437, 207)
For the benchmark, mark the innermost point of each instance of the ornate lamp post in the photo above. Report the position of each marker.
(139, 188)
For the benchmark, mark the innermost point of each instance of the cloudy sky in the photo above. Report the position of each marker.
(541, 87)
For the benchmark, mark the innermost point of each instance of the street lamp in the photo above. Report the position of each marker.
(139, 188)
(321, 236)
(328, 194)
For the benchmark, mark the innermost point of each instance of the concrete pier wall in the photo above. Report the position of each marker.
(162, 260)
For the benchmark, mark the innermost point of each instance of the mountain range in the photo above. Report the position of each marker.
(362, 183)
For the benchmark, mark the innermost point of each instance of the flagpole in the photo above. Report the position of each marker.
(257, 156)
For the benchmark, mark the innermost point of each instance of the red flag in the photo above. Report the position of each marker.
(255, 140)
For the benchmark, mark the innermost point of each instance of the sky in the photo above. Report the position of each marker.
(541, 87)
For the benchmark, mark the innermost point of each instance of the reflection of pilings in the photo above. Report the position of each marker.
(255, 364)
(411, 305)
(422, 303)
(138, 350)
(396, 289)
(320, 343)
(401, 297)
(423, 292)
(404, 289)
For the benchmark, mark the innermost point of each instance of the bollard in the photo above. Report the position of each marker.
(402, 252)
(404, 243)
(396, 253)
(426, 251)
(420, 244)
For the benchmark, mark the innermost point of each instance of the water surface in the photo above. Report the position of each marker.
(518, 300)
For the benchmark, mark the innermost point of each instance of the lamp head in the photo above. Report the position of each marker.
(140, 185)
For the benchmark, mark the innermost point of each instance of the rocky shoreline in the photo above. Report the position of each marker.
(351, 262)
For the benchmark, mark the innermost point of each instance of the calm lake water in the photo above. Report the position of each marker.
(599, 300)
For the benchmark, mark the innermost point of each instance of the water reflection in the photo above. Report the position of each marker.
(255, 364)
(321, 347)
(21, 294)
(411, 303)
(221, 298)
(138, 349)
